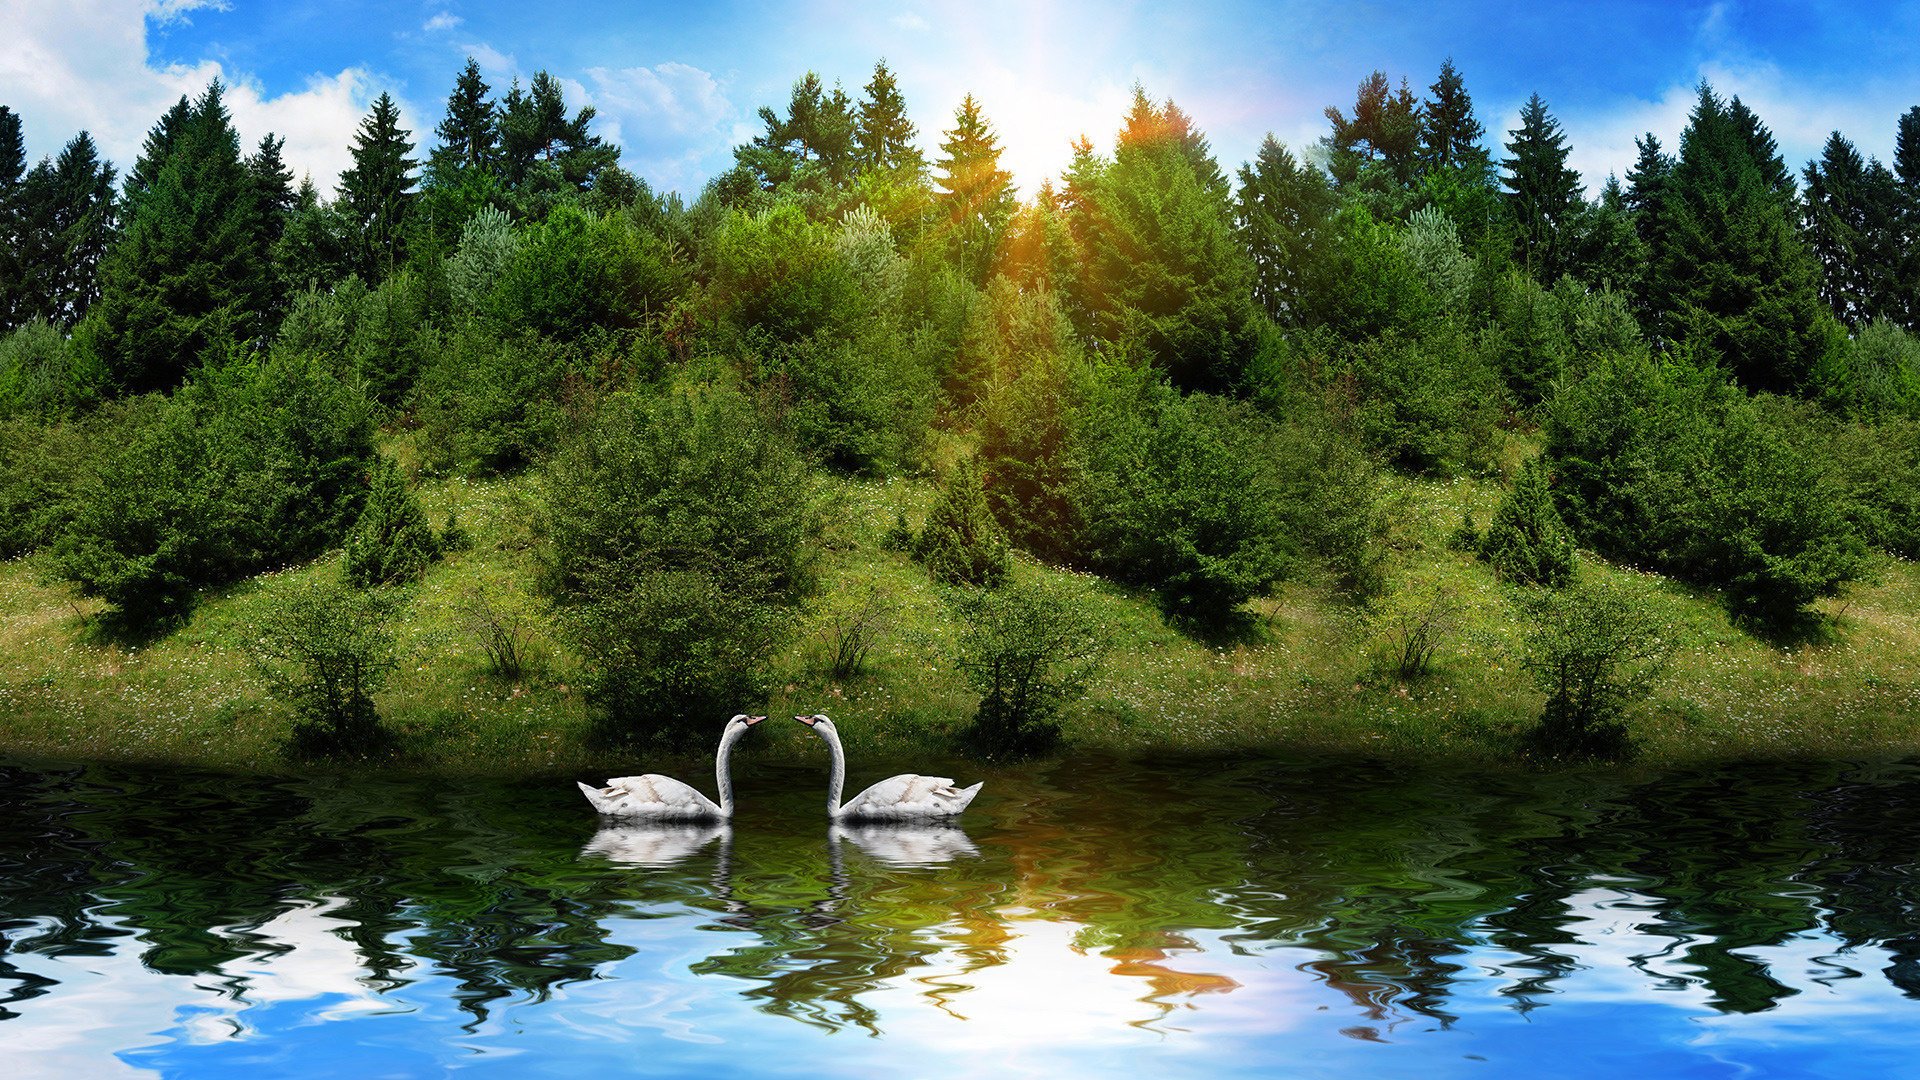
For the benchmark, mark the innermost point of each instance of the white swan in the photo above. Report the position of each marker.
(653, 797)
(907, 797)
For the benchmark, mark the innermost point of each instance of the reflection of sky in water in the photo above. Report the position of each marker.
(306, 1005)
(1260, 934)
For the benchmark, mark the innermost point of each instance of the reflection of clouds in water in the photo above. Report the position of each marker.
(908, 845)
(112, 1004)
(652, 845)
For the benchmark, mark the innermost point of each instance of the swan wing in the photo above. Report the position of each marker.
(650, 795)
(910, 795)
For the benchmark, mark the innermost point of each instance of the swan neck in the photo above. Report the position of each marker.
(723, 771)
(839, 776)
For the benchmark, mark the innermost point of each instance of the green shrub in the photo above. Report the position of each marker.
(245, 468)
(43, 468)
(1874, 375)
(491, 406)
(680, 536)
(1027, 651)
(778, 277)
(962, 543)
(1670, 467)
(1427, 404)
(392, 542)
(1527, 541)
(392, 336)
(576, 274)
(1595, 650)
(325, 648)
(863, 404)
(40, 377)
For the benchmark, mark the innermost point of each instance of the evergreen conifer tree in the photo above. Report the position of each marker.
(188, 272)
(883, 136)
(469, 134)
(962, 543)
(377, 191)
(1543, 194)
(392, 542)
(1731, 275)
(1450, 136)
(1527, 541)
(1279, 212)
(13, 171)
(973, 191)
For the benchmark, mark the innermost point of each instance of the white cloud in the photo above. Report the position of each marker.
(666, 118)
(166, 11)
(69, 65)
(446, 20)
(909, 21)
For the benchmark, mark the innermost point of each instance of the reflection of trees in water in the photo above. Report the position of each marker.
(1383, 885)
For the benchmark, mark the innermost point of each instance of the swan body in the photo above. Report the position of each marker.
(907, 797)
(652, 797)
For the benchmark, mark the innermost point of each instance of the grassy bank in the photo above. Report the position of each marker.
(1302, 678)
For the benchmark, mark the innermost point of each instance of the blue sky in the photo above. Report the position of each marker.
(677, 84)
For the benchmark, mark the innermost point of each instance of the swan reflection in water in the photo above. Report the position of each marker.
(655, 844)
(903, 844)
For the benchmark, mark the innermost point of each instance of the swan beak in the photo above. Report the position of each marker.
(752, 720)
(807, 720)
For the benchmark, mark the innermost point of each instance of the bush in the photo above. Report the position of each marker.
(1410, 627)
(680, 537)
(575, 274)
(962, 543)
(491, 406)
(863, 404)
(1594, 650)
(1875, 375)
(1527, 542)
(43, 467)
(1671, 467)
(246, 468)
(325, 649)
(1427, 404)
(392, 541)
(39, 375)
(1027, 651)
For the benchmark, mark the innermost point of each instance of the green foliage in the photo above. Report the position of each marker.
(490, 406)
(1427, 404)
(488, 247)
(680, 533)
(576, 273)
(1027, 650)
(1543, 194)
(42, 467)
(188, 277)
(39, 376)
(1003, 336)
(248, 467)
(776, 276)
(962, 543)
(1527, 541)
(1876, 374)
(376, 192)
(1409, 626)
(392, 542)
(325, 649)
(1668, 466)
(1595, 650)
(1164, 267)
(1527, 340)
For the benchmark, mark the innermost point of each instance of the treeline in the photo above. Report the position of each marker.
(1182, 380)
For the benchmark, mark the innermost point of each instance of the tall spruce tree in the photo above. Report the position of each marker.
(1732, 276)
(1280, 212)
(469, 133)
(188, 273)
(1906, 169)
(883, 136)
(974, 193)
(1381, 140)
(541, 148)
(1450, 136)
(1165, 268)
(1543, 194)
(13, 171)
(377, 191)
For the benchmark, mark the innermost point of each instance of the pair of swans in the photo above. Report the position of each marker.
(907, 797)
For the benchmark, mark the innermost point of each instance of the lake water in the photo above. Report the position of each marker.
(1085, 918)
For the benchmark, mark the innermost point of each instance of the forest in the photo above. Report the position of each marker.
(1402, 441)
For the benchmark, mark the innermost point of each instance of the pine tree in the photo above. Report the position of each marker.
(13, 169)
(1164, 266)
(540, 148)
(1906, 168)
(974, 193)
(188, 273)
(1732, 276)
(1450, 137)
(376, 192)
(1280, 211)
(1528, 542)
(1384, 134)
(82, 227)
(392, 541)
(1542, 193)
(883, 135)
(469, 134)
(962, 543)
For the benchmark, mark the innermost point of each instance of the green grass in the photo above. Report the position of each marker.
(1301, 678)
